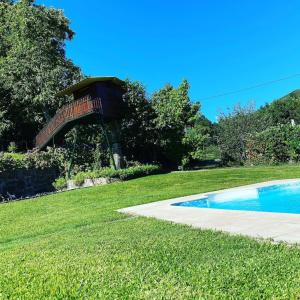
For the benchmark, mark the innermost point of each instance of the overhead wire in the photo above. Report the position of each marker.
(249, 87)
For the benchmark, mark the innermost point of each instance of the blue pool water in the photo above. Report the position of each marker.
(282, 198)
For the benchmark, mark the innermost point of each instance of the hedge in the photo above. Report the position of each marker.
(123, 174)
(52, 158)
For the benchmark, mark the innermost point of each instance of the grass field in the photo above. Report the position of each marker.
(74, 245)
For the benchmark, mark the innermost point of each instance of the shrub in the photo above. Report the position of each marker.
(80, 177)
(52, 158)
(60, 183)
(277, 144)
(8, 163)
(123, 174)
(15, 156)
(107, 173)
(12, 148)
(233, 131)
(138, 171)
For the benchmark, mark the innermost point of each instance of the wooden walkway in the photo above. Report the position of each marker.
(65, 118)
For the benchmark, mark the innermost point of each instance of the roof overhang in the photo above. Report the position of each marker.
(86, 82)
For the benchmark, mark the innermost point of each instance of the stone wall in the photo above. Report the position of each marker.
(23, 183)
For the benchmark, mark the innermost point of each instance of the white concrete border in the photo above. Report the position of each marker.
(276, 226)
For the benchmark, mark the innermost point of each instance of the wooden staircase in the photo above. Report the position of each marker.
(85, 109)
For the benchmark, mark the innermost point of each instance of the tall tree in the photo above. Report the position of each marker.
(197, 139)
(175, 114)
(137, 126)
(234, 129)
(33, 66)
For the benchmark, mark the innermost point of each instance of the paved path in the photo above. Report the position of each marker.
(276, 226)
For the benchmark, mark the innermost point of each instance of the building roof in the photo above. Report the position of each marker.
(87, 81)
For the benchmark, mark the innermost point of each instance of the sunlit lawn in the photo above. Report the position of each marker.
(74, 245)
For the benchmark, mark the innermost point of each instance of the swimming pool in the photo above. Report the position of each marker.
(279, 198)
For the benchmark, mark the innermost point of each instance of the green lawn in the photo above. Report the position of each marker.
(75, 245)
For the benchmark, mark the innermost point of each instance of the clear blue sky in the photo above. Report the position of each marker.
(219, 46)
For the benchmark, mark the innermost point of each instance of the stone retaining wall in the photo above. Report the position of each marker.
(23, 183)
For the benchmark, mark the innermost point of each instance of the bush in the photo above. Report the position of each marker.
(12, 148)
(138, 171)
(52, 158)
(80, 177)
(233, 131)
(15, 156)
(60, 183)
(107, 173)
(277, 144)
(123, 174)
(8, 163)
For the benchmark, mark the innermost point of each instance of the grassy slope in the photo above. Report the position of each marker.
(74, 245)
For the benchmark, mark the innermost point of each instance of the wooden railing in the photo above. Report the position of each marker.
(64, 115)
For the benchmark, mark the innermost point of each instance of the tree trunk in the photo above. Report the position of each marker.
(115, 141)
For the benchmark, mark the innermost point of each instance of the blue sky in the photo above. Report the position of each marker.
(219, 46)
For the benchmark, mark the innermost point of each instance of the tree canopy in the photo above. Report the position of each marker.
(244, 127)
(167, 127)
(282, 111)
(33, 67)
(175, 114)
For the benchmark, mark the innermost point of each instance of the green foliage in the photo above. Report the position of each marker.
(60, 183)
(174, 123)
(282, 111)
(277, 144)
(173, 107)
(165, 128)
(75, 245)
(256, 137)
(123, 174)
(80, 177)
(86, 148)
(8, 163)
(12, 148)
(233, 131)
(197, 139)
(105, 172)
(5, 124)
(138, 171)
(98, 157)
(211, 152)
(33, 67)
(52, 158)
(137, 126)
(15, 156)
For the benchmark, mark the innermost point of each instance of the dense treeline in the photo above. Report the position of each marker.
(268, 135)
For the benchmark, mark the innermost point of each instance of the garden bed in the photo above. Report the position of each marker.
(89, 182)
(105, 176)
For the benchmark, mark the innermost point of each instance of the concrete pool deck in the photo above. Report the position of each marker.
(280, 227)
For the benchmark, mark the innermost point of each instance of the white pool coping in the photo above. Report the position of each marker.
(280, 227)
